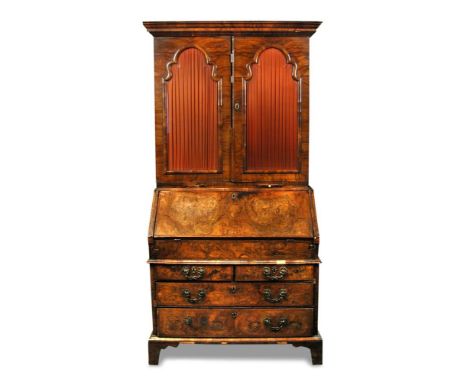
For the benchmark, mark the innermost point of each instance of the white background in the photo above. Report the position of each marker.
(388, 162)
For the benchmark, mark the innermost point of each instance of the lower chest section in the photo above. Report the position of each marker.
(234, 300)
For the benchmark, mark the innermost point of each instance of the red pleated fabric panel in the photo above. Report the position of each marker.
(192, 130)
(272, 114)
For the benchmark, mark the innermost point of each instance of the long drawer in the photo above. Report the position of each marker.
(233, 294)
(235, 322)
(186, 249)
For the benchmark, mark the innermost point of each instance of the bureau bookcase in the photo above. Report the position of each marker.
(233, 236)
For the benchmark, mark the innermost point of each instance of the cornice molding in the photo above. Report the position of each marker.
(234, 28)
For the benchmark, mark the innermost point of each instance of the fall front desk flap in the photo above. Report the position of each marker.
(235, 213)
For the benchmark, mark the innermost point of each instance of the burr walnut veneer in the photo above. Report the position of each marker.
(233, 236)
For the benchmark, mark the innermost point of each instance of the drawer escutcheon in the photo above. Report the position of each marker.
(275, 273)
(283, 295)
(194, 300)
(282, 323)
(193, 273)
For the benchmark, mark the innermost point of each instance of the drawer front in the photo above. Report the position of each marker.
(193, 272)
(233, 294)
(180, 322)
(274, 273)
(183, 322)
(234, 249)
(275, 322)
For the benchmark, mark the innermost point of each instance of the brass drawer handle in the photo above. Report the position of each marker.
(193, 273)
(193, 300)
(283, 295)
(274, 273)
(282, 323)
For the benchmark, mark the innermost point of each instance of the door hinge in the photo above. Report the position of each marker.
(232, 57)
(232, 79)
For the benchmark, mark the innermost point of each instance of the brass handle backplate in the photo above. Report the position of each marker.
(283, 295)
(193, 273)
(193, 300)
(282, 323)
(274, 273)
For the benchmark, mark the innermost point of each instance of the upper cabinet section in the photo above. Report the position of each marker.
(271, 87)
(193, 118)
(231, 102)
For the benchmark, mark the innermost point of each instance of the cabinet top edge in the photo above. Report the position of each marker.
(240, 28)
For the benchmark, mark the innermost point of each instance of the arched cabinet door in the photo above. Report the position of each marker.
(270, 110)
(193, 117)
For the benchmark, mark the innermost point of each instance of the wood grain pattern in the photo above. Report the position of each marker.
(214, 213)
(236, 28)
(233, 262)
(192, 113)
(292, 249)
(152, 221)
(233, 322)
(233, 294)
(257, 272)
(272, 116)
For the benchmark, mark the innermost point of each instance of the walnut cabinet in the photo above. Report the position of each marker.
(233, 236)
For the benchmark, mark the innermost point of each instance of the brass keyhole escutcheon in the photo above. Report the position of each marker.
(234, 196)
(234, 314)
(188, 321)
(233, 290)
(237, 106)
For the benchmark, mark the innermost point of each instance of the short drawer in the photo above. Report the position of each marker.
(233, 294)
(193, 272)
(240, 322)
(274, 272)
(205, 249)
